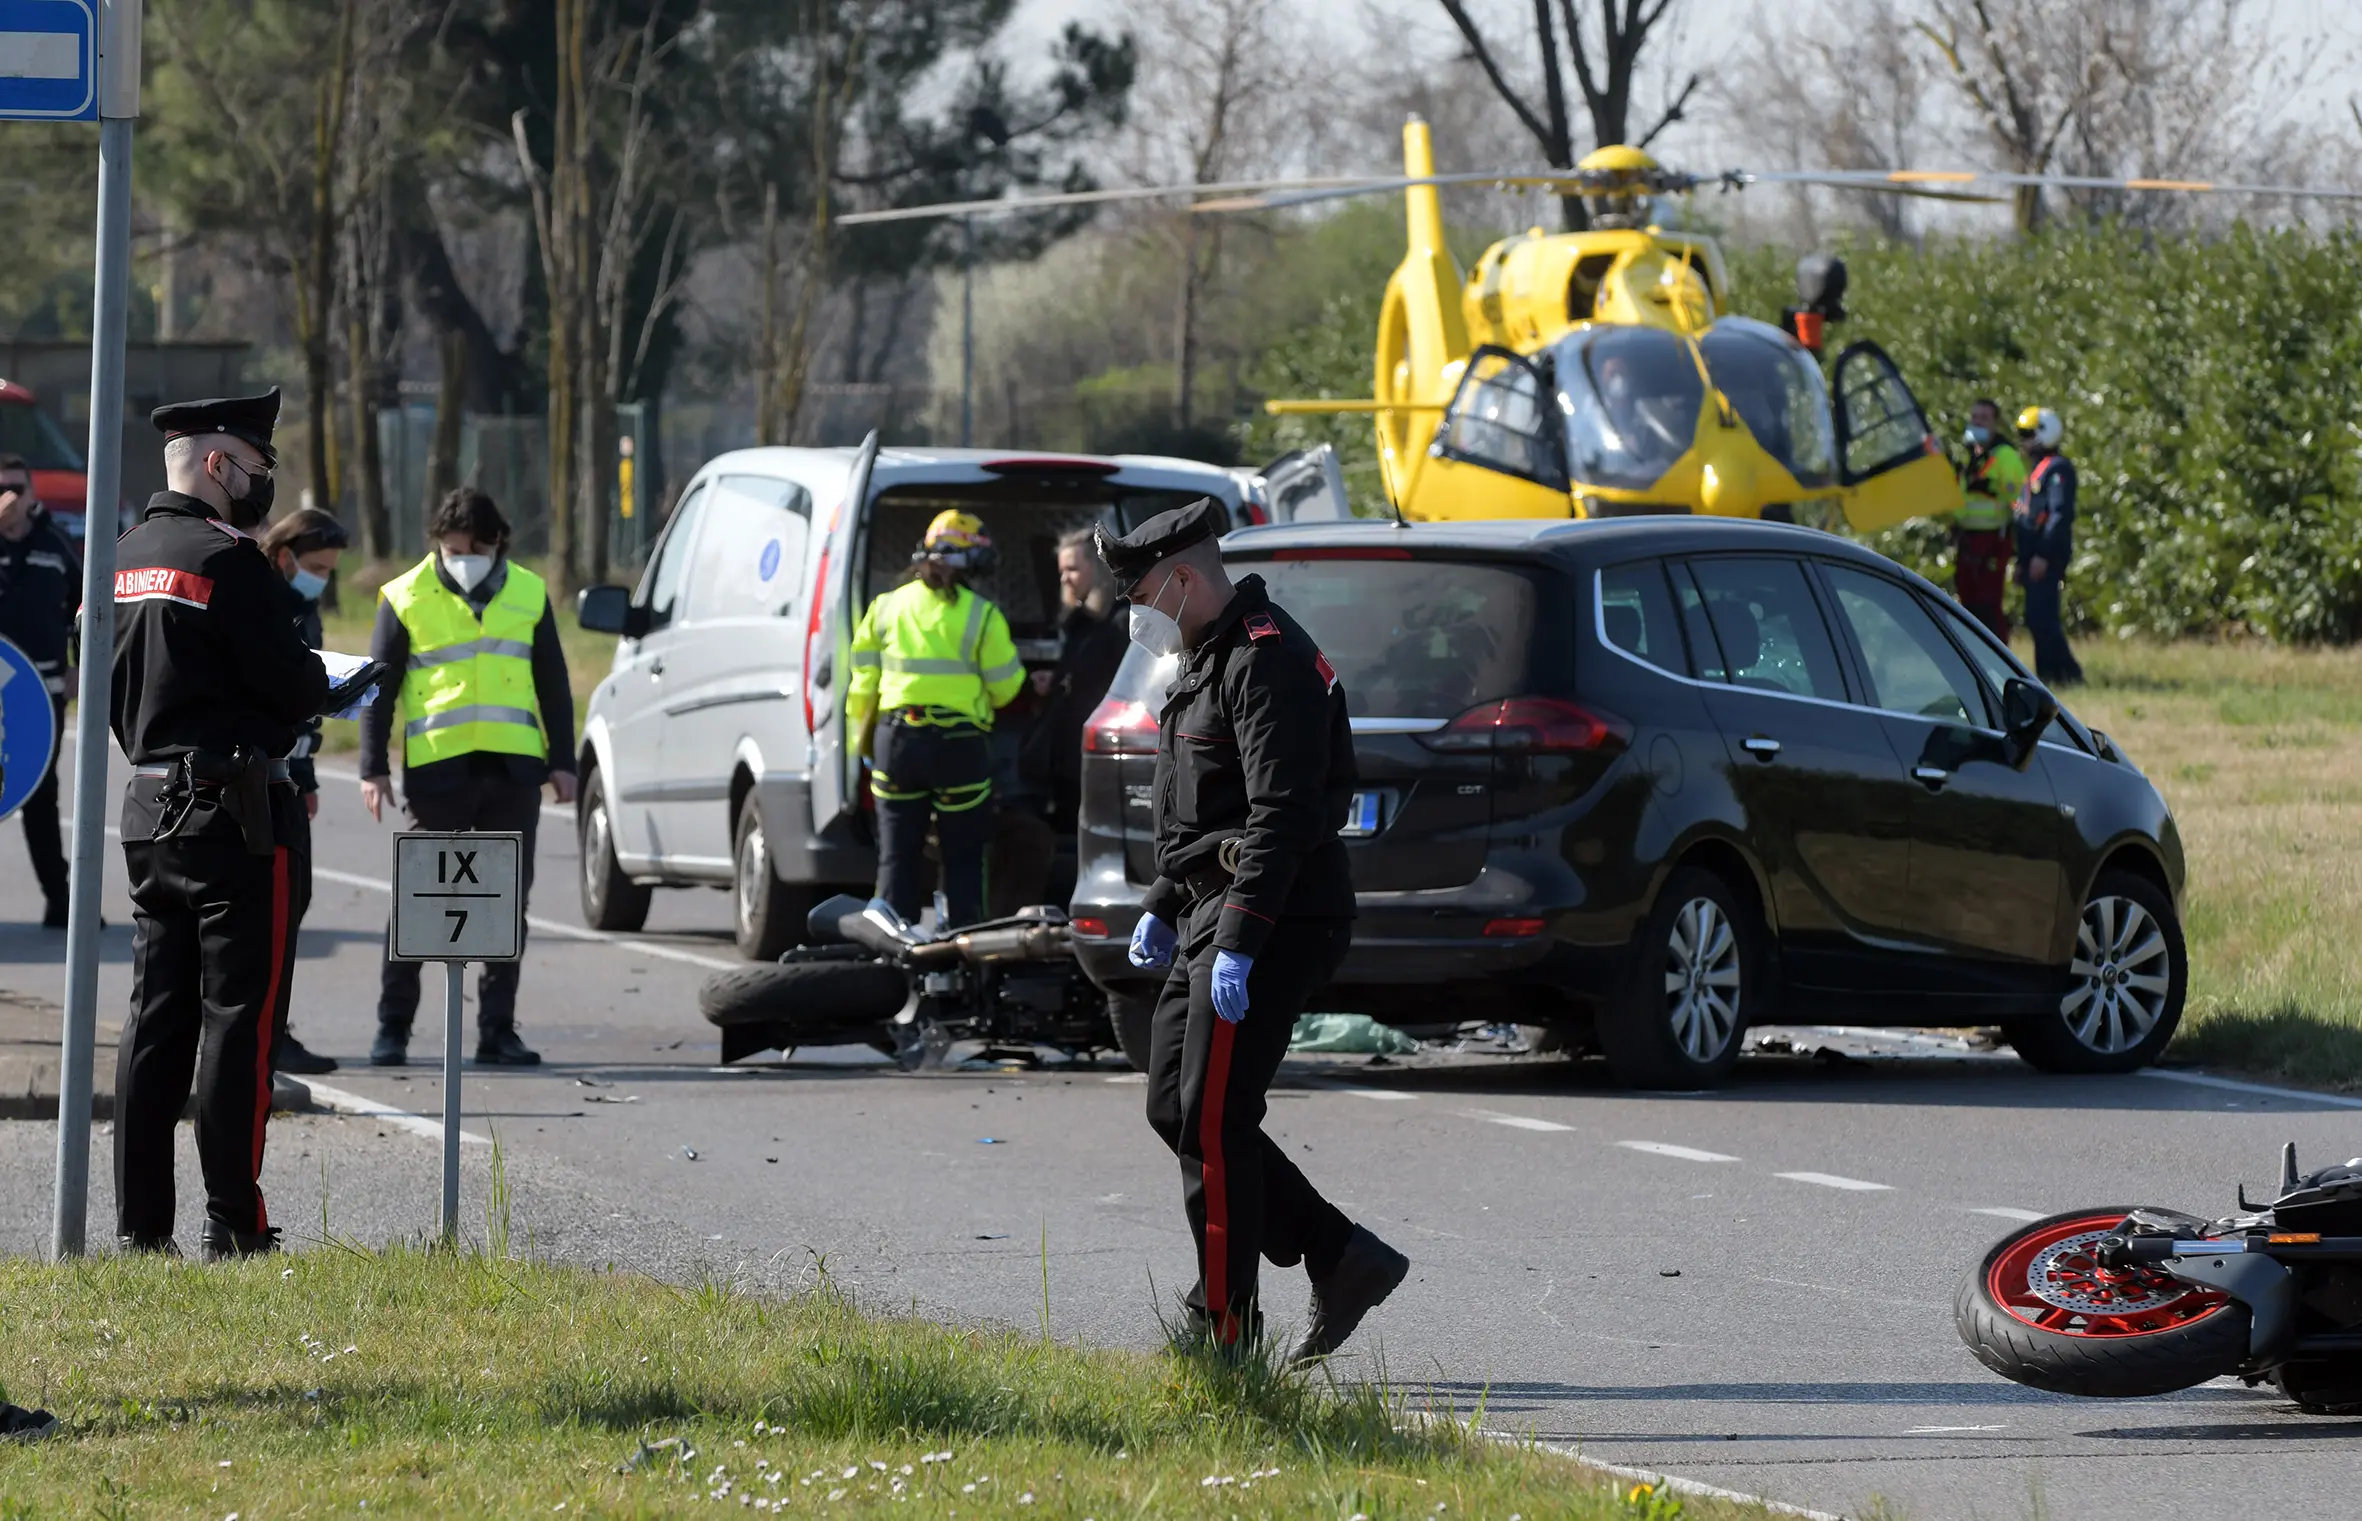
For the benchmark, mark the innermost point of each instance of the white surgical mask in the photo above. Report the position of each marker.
(468, 570)
(307, 585)
(1158, 633)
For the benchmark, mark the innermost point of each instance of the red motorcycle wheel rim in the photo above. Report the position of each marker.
(2099, 1302)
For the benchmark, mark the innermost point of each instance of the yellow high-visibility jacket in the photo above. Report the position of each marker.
(915, 649)
(470, 684)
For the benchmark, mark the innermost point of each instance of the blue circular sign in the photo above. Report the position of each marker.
(769, 564)
(28, 728)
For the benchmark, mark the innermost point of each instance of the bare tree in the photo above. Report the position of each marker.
(1605, 64)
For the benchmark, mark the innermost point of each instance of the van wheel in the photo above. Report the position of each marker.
(767, 915)
(1681, 1017)
(2126, 983)
(610, 900)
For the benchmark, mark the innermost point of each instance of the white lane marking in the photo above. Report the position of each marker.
(557, 927)
(2233, 1085)
(1516, 1121)
(1940, 1430)
(401, 1119)
(1376, 1093)
(1667, 1481)
(339, 774)
(2004, 1212)
(1681, 1153)
(1831, 1180)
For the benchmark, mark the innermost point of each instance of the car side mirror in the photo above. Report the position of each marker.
(609, 610)
(2026, 710)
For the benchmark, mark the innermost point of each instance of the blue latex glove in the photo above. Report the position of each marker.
(1152, 942)
(1230, 985)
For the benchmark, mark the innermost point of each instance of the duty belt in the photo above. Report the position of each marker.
(1214, 880)
(279, 773)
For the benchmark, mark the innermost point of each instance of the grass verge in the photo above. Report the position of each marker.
(437, 1383)
(2259, 751)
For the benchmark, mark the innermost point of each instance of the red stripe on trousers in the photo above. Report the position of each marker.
(1217, 1183)
(266, 1029)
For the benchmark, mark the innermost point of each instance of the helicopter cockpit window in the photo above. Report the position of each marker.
(1775, 386)
(1631, 396)
(1500, 418)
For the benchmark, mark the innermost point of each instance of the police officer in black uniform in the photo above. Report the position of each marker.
(1252, 910)
(40, 586)
(211, 683)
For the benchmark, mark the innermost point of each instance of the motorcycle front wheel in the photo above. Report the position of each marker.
(2040, 1310)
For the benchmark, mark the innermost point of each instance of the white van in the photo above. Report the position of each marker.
(715, 751)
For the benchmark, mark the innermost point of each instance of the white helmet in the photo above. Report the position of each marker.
(2040, 427)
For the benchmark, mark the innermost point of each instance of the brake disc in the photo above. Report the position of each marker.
(2067, 1274)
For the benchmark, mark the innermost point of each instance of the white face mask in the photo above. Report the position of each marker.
(1158, 633)
(468, 570)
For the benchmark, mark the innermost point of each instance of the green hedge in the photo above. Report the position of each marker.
(2208, 388)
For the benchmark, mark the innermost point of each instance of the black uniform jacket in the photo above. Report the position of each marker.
(1254, 745)
(40, 586)
(206, 657)
(304, 613)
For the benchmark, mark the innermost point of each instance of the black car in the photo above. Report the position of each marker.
(1645, 782)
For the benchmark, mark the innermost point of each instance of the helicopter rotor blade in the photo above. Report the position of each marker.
(1962, 183)
(1015, 203)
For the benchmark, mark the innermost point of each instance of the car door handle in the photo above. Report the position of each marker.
(656, 667)
(1761, 746)
(1933, 776)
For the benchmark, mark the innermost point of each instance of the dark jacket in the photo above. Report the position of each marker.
(304, 613)
(389, 641)
(205, 655)
(1254, 744)
(40, 586)
(2046, 526)
(1053, 754)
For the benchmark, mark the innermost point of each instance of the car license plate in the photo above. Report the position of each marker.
(1361, 820)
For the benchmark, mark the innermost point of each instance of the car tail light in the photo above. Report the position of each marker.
(1530, 724)
(1511, 929)
(1118, 727)
(1087, 929)
(1254, 513)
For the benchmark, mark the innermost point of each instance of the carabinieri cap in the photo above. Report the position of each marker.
(1133, 555)
(250, 418)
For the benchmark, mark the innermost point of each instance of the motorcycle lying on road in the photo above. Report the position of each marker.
(871, 979)
(2116, 1302)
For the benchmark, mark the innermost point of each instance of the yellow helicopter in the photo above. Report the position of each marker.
(1602, 373)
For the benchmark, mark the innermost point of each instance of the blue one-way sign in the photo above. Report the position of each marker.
(49, 60)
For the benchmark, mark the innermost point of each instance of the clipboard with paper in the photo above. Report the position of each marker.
(352, 682)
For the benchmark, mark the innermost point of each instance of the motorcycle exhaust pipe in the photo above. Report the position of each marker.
(1018, 942)
(850, 919)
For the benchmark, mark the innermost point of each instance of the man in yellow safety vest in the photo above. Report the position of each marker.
(485, 715)
(1990, 483)
(936, 657)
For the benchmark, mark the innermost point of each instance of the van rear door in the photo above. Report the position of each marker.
(828, 650)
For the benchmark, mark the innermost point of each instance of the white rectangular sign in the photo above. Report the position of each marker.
(459, 897)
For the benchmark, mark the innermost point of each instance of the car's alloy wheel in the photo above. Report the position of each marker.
(766, 913)
(610, 900)
(754, 873)
(1702, 979)
(2123, 971)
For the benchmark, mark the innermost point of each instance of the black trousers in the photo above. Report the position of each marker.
(211, 965)
(492, 804)
(2054, 659)
(40, 815)
(1206, 1083)
(939, 773)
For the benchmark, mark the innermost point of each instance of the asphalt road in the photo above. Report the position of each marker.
(1818, 1214)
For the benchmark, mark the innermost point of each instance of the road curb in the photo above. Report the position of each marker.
(1692, 1487)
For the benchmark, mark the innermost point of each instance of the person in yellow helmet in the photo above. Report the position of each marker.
(932, 663)
(1990, 483)
(2046, 543)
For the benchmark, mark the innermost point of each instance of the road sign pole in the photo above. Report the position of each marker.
(454, 982)
(118, 102)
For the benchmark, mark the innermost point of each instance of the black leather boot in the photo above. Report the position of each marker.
(499, 1047)
(220, 1243)
(392, 1047)
(1366, 1272)
(291, 1055)
(147, 1246)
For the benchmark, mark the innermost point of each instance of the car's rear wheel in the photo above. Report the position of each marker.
(766, 914)
(610, 900)
(1132, 1011)
(1681, 1017)
(2128, 976)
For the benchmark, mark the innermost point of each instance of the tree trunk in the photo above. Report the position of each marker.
(318, 280)
(1185, 328)
(767, 358)
(368, 455)
(569, 233)
(442, 455)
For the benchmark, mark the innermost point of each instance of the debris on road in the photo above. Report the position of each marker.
(1349, 1035)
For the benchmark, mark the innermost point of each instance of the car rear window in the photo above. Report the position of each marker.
(1412, 638)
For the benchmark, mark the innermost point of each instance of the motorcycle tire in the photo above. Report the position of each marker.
(2152, 1336)
(806, 996)
(2332, 1386)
